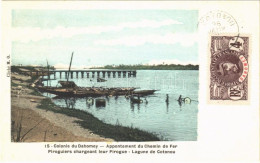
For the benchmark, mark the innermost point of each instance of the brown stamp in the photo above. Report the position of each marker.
(229, 68)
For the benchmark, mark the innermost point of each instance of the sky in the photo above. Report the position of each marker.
(104, 37)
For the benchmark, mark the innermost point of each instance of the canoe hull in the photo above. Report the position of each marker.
(94, 92)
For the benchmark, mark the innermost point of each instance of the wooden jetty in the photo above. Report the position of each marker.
(82, 73)
(69, 88)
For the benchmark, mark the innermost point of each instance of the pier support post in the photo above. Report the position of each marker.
(71, 74)
(87, 74)
(60, 74)
(54, 75)
(134, 73)
(114, 74)
(104, 74)
(124, 74)
(77, 74)
(98, 72)
(82, 74)
(119, 74)
(108, 74)
(93, 74)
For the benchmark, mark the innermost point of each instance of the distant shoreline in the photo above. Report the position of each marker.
(150, 67)
(120, 67)
(130, 69)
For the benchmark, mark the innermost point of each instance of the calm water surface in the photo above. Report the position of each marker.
(168, 121)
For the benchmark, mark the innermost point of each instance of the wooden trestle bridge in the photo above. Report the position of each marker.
(82, 73)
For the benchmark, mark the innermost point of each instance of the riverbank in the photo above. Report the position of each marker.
(31, 124)
(44, 121)
(88, 121)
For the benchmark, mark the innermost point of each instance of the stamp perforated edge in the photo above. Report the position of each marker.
(228, 102)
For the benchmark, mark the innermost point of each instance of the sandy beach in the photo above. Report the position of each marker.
(32, 124)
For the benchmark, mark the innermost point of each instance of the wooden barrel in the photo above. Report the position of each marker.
(100, 102)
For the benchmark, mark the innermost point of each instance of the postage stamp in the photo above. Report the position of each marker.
(229, 67)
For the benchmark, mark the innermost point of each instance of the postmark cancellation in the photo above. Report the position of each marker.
(229, 68)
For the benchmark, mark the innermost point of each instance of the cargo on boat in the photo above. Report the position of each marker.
(69, 88)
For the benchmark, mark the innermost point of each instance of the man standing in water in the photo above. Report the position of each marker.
(180, 99)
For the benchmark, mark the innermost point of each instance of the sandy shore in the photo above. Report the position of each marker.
(39, 124)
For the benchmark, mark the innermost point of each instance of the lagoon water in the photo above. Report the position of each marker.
(170, 122)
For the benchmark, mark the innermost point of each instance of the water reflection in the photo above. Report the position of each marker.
(145, 101)
(135, 105)
(167, 103)
(70, 102)
(107, 98)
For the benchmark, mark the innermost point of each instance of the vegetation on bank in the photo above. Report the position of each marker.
(88, 121)
(33, 78)
(151, 67)
(14, 84)
(29, 68)
(35, 92)
(17, 68)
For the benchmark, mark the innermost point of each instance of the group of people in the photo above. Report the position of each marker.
(180, 99)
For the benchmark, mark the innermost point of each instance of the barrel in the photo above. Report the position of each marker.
(100, 102)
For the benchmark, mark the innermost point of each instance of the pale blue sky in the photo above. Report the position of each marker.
(101, 37)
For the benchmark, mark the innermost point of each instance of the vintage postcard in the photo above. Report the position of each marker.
(129, 81)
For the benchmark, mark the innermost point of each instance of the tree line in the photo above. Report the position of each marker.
(151, 67)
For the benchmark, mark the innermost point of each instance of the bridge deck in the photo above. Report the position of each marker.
(129, 73)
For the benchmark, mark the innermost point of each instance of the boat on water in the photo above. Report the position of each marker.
(70, 89)
(101, 80)
(144, 92)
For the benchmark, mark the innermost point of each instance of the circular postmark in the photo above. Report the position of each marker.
(217, 22)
